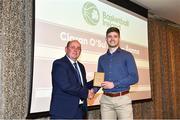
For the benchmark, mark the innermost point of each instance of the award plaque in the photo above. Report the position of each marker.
(98, 79)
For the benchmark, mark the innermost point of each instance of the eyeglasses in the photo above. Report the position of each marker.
(75, 48)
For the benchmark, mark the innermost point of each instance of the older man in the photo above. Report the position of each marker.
(70, 88)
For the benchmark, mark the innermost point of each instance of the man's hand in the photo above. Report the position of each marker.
(91, 94)
(107, 85)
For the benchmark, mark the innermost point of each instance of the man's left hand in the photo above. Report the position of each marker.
(107, 85)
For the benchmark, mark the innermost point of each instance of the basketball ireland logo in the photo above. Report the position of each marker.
(90, 13)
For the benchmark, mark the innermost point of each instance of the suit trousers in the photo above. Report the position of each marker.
(119, 107)
(81, 114)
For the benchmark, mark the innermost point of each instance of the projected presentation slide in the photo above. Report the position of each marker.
(58, 21)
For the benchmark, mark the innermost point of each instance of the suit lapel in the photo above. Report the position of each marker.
(73, 70)
(71, 67)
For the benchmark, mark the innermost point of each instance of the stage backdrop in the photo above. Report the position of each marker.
(58, 21)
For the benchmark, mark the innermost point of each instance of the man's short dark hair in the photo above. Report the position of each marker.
(112, 29)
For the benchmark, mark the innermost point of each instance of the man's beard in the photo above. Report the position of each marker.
(113, 46)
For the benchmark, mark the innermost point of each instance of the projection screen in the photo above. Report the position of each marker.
(58, 21)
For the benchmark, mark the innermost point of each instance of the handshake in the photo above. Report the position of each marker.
(99, 82)
(104, 85)
(91, 94)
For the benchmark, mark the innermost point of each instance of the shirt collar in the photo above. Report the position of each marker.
(71, 60)
(117, 50)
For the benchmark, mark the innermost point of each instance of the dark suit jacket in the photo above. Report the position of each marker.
(67, 90)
